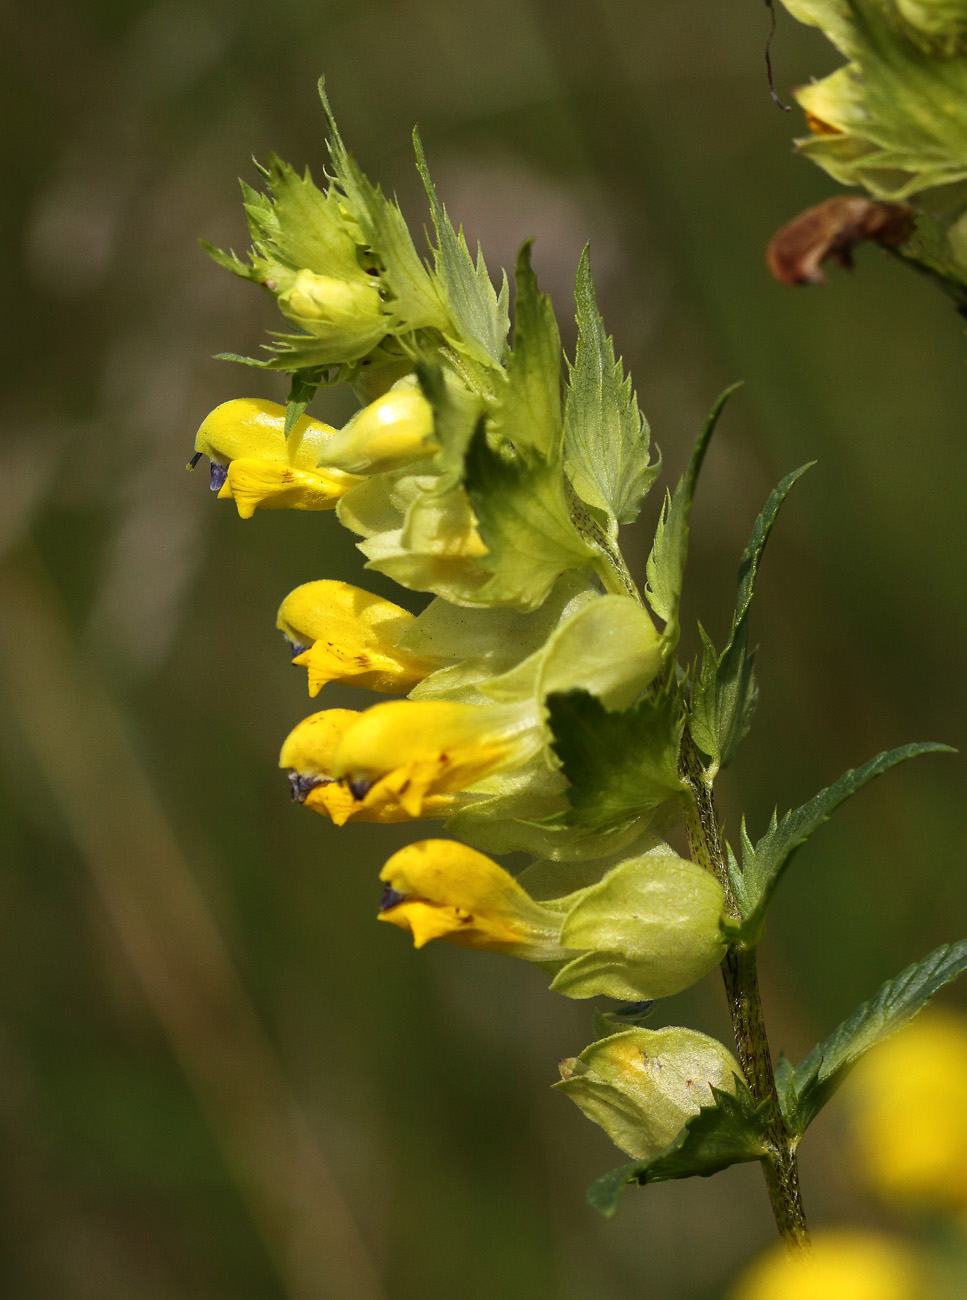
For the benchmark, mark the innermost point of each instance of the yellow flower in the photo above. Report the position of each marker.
(308, 754)
(418, 749)
(441, 889)
(255, 465)
(343, 634)
(841, 1266)
(395, 429)
(909, 1113)
(492, 913)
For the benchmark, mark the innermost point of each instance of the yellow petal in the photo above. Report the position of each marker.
(250, 427)
(309, 747)
(441, 889)
(434, 747)
(335, 800)
(265, 468)
(426, 921)
(276, 485)
(350, 637)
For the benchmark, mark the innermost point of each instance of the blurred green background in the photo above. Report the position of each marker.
(218, 1076)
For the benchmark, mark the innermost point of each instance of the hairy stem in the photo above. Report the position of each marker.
(745, 1007)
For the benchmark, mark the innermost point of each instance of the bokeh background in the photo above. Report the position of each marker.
(219, 1078)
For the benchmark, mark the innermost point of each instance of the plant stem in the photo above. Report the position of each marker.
(745, 1007)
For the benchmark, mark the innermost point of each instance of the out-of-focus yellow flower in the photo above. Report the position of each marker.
(491, 910)
(344, 634)
(308, 754)
(841, 1266)
(909, 1114)
(418, 749)
(255, 465)
(395, 429)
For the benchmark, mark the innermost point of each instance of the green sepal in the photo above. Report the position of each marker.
(730, 1132)
(479, 315)
(648, 929)
(606, 438)
(665, 569)
(621, 765)
(302, 389)
(806, 1090)
(764, 863)
(725, 692)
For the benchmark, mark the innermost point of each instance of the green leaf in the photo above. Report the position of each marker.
(620, 765)
(606, 439)
(665, 569)
(897, 1001)
(724, 695)
(729, 1132)
(479, 315)
(763, 865)
(302, 390)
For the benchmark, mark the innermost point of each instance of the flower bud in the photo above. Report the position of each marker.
(346, 315)
(643, 1085)
(395, 429)
(342, 634)
(255, 465)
